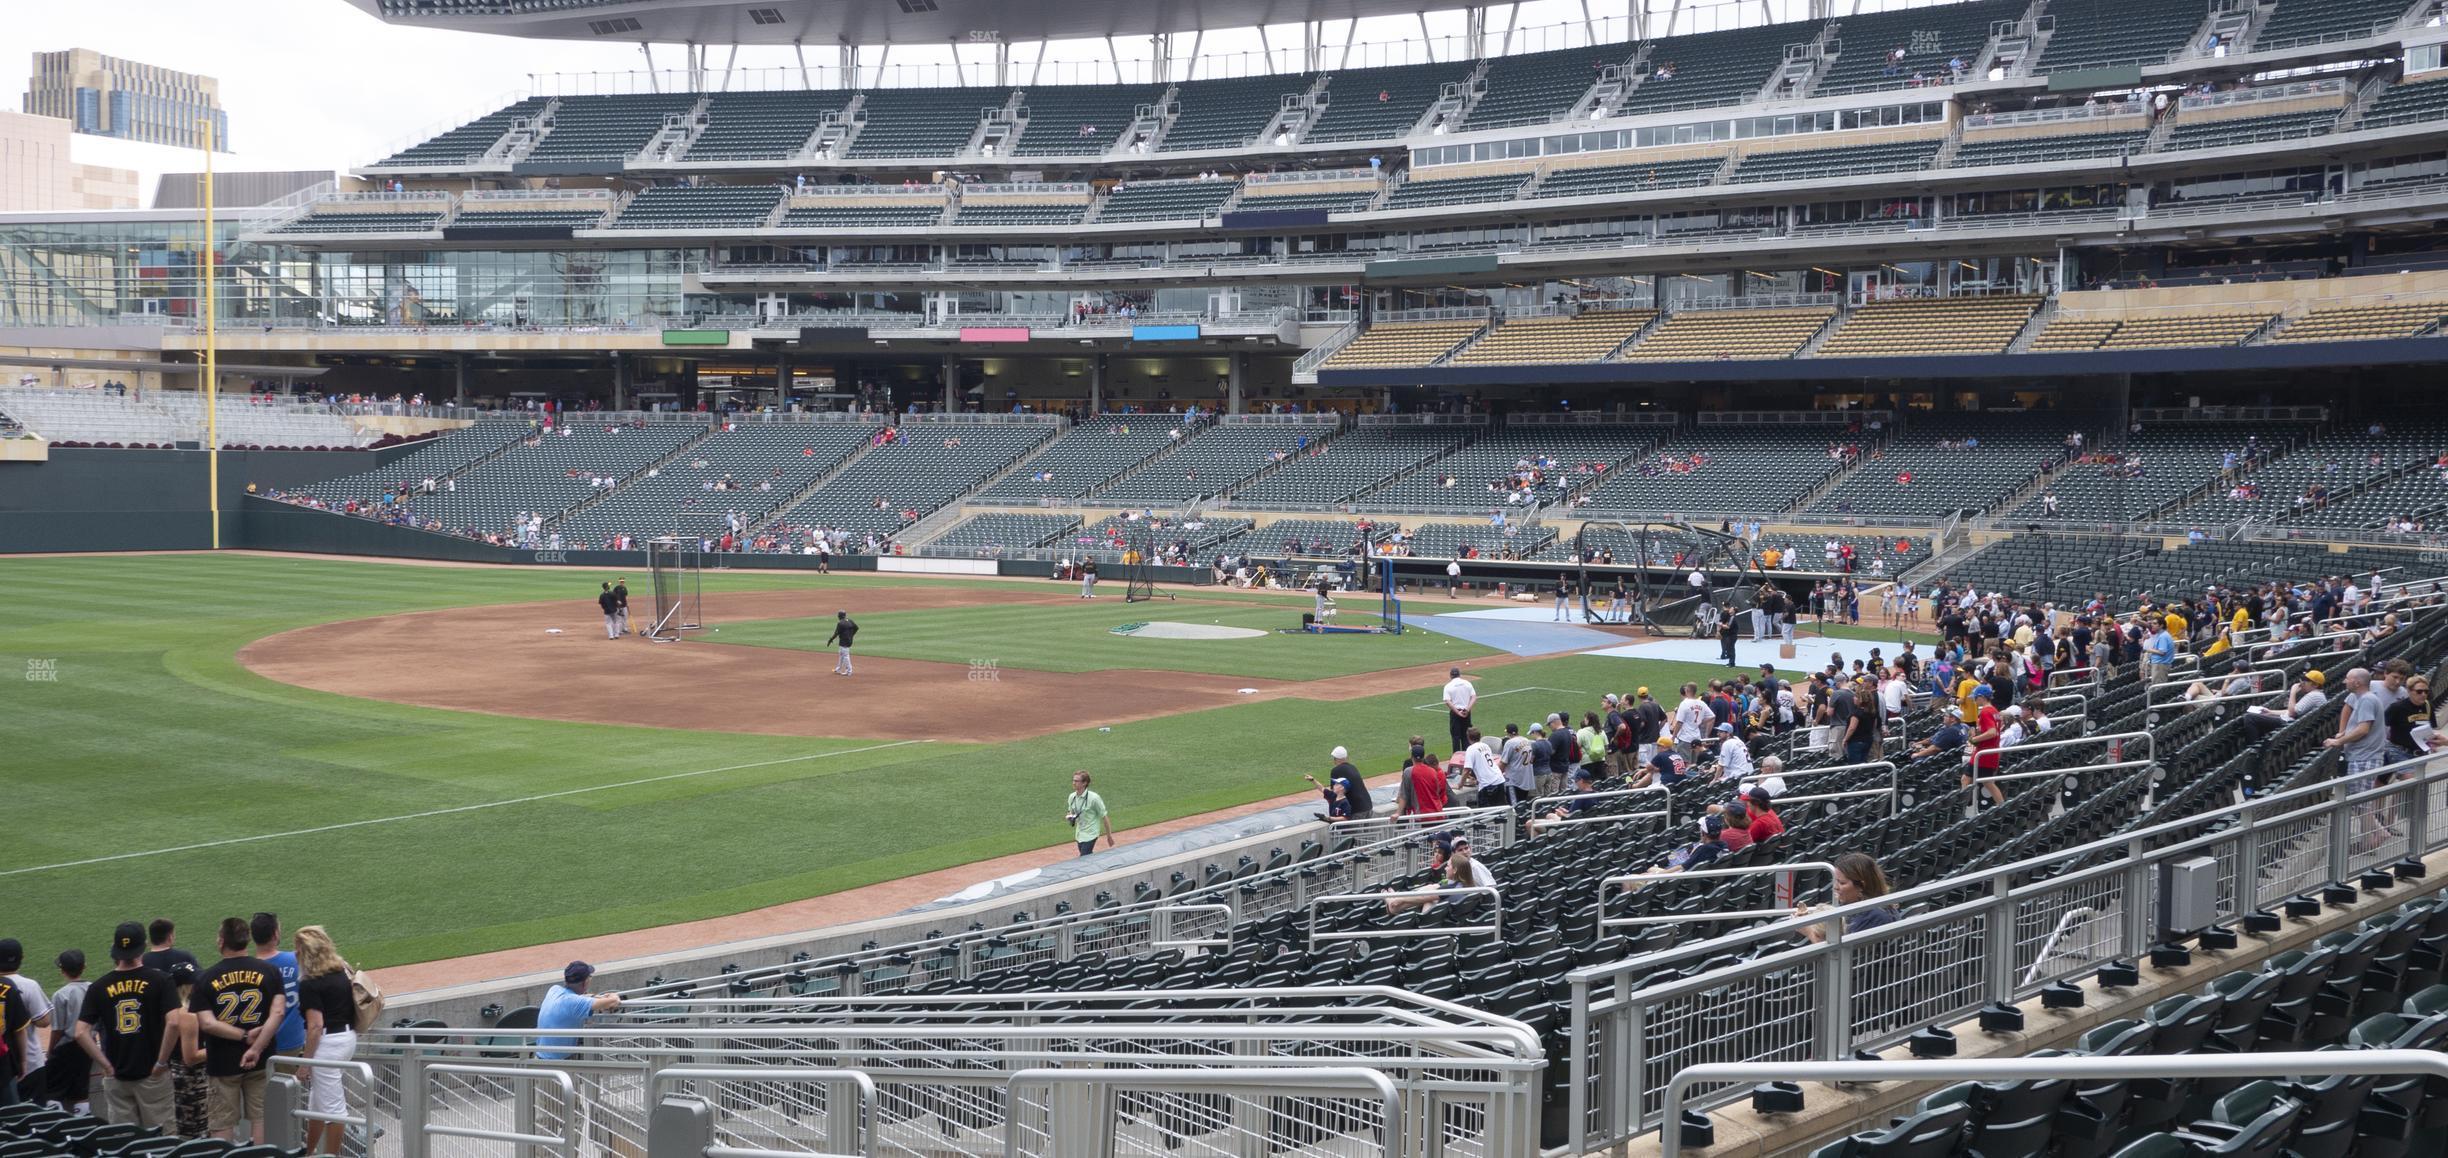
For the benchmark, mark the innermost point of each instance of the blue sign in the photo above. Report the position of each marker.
(1164, 333)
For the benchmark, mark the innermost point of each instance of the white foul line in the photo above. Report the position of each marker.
(449, 811)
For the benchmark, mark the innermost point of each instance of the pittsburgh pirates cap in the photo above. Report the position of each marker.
(127, 942)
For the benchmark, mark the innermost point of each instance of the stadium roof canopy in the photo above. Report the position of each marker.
(855, 22)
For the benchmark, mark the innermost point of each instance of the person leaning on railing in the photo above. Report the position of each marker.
(1858, 878)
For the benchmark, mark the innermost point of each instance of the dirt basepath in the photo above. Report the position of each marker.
(500, 660)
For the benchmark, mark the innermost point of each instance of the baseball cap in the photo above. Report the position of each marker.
(183, 972)
(1952, 712)
(12, 954)
(576, 972)
(1758, 795)
(1339, 753)
(1725, 727)
(1610, 697)
(1983, 691)
(2316, 678)
(1585, 775)
(1643, 693)
(127, 941)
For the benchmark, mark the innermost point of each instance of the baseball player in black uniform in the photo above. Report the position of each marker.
(611, 612)
(620, 600)
(845, 629)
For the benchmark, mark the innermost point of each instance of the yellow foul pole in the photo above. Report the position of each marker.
(212, 361)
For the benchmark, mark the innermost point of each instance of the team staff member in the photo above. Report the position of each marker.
(611, 612)
(238, 1005)
(1460, 697)
(124, 1028)
(845, 629)
(620, 606)
(1087, 816)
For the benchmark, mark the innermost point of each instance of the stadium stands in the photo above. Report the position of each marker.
(1888, 49)
(854, 212)
(2303, 20)
(164, 418)
(2048, 148)
(1165, 200)
(2406, 103)
(1941, 464)
(1092, 451)
(1115, 534)
(1347, 199)
(921, 122)
(1020, 212)
(1404, 343)
(1475, 540)
(1980, 325)
(763, 126)
(1073, 119)
(1311, 537)
(2162, 464)
(745, 472)
(2101, 33)
(2231, 131)
(1229, 112)
(1416, 194)
(1589, 336)
(1338, 468)
(700, 207)
(1722, 470)
(907, 477)
(523, 219)
(468, 143)
(1713, 68)
(362, 222)
(2148, 332)
(1213, 462)
(1799, 164)
(1369, 104)
(605, 131)
(1533, 88)
(1595, 179)
(439, 458)
(1705, 335)
(550, 476)
(1000, 532)
(2363, 323)
(1478, 476)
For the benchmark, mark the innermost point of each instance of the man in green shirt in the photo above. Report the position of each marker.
(1086, 813)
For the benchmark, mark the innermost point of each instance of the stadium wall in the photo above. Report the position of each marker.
(87, 499)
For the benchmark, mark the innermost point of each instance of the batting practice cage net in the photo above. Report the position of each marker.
(678, 595)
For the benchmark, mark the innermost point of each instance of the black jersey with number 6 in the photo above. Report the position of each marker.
(240, 991)
(129, 1010)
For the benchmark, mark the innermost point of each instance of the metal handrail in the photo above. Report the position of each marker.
(1494, 927)
(1164, 938)
(363, 1099)
(1073, 1132)
(848, 1133)
(2036, 1069)
(1787, 867)
(567, 1144)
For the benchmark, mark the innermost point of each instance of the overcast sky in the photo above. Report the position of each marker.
(317, 84)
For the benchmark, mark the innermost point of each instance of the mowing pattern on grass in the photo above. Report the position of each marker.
(532, 830)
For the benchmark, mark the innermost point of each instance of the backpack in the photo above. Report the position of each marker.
(1569, 745)
(1623, 738)
(369, 999)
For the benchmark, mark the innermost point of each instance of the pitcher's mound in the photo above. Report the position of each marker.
(1166, 629)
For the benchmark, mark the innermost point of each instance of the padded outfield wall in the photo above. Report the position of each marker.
(86, 499)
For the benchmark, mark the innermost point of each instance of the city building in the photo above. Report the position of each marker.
(106, 96)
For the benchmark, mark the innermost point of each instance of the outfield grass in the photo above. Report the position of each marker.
(1078, 636)
(195, 789)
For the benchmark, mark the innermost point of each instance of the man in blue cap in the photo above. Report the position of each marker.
(569, 1006)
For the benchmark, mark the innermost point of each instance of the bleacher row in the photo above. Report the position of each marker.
(1983, 325)
(2372, 983)
(166, 419)
(1897, 50)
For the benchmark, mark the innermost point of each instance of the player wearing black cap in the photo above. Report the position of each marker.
(124, 1029)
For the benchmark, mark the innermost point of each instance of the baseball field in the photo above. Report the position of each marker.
(437, 761)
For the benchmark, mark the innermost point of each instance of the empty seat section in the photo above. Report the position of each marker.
(908, 476)
(1589, 336)
(468, 143)
(1478, 540)
(2064, 334)
(1480, 477)
(2405, 103)
(1709, 335)
(1078, 118)
(1228, 113)
(605, 130)
(90, 416)
(1808, 164)
(853, 212)
(921, 122)
(2363, 323)
(2164, 330)
(1372, 104)
(2299, 20)
(1538, 87)
(2049, 148)
(2164, 462)
(450, 451)
(549, 477)
(997, 532)
(1315, 538)
(1403, 343)
(1214, 461)
(1945, 463)
(746, 471)
(2099, 33)
(1115, 534)
(1928, 36)
(700, 207)
(1166, 200)
(322, 221)
(1416, 193)
(1721, 469)
(1094, 450)
(2232, 131)
(763, 126)
(246, 422)
(1933, 326)
(530, 218)
(1594, 180)
(1336, 469)
(1713, 68)
(1021, 212)
(1339, 199)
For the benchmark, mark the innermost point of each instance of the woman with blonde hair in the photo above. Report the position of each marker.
(330, 1005)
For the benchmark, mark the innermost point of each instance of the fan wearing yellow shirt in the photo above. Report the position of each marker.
(1964, 691)
(2176, 624)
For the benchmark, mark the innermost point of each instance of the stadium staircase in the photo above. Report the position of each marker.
(2040, 320)
(680, 131)
(1614, 84)
(678, 454)
(1835, 322)
(2360, 104)
(1223, 497)
(1140, 466)
(1305, 368)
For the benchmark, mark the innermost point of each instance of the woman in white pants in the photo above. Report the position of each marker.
(330, 1004)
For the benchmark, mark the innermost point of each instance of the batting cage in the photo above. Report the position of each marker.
(678, 595)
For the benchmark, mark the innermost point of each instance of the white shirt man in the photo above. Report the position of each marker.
(1460, 696)
(1733, 756)
(1698, 581)
(2016, 731)
(1691, 719)
(1487, 772)
(1891, 693)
